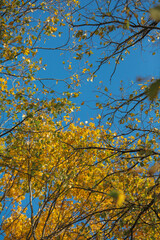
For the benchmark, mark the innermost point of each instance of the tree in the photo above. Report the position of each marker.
(84, 187)
(112, 28)
(22, 31)
(65, 180)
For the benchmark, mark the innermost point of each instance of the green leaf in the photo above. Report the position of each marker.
(153, 90)
(155, 13)
(114, 194)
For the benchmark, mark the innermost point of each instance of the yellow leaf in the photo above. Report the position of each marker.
(26, 51)
(120, 199)
(84, 70)
(70, 68)
(3, 87)
(118, 196)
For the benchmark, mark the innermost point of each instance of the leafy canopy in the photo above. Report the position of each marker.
(65, 179)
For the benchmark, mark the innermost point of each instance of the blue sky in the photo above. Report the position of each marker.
(139, 63)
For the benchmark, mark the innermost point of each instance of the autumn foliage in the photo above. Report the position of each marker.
(74, 184)
(61, 178)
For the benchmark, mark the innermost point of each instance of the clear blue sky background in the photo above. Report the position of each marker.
(140, 63)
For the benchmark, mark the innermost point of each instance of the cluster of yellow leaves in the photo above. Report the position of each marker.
(19, 37)
(3, 84)
(73, 178)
